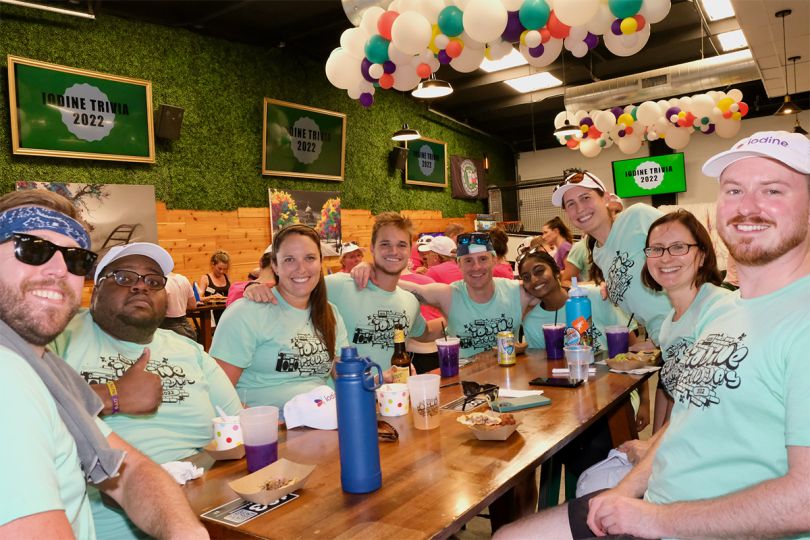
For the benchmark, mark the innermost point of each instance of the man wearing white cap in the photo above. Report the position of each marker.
(53, 442)
(440, 255)
(350, 256)
(735, 458)
(121, 352)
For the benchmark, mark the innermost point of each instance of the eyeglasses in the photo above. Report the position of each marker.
(128, 278)
(676, 250)
(36, 251)
(577, 177)
(481, 239)
(473, 389)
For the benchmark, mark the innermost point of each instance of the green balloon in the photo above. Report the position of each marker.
(534, 14)
(451, 21)
(624, 8)
(377, 49)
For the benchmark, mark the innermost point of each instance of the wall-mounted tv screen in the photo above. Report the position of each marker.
(653, 175)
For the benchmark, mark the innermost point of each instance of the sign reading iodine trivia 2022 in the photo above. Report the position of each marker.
(60, 111)
(303, 141)
(427, 163)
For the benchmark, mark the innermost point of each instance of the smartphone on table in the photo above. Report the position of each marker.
(564, 382)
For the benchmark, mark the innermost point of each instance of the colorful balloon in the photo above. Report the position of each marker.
(366, 99)
(557, 28)
(534, 14)
(451, 21)
(624, 8)
(513, 27)
(377, 49)
(385, 22)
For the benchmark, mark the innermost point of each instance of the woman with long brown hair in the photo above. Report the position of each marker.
(272, 352)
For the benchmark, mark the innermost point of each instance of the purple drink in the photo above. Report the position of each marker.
(448, 349)
(554, 335)
(618, 340)
(261, 456)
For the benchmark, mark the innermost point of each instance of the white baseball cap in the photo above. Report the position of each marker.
(348, 247)
(316, 409)
(589, 180)
(441, 245)
(147, 249)
(791, 149)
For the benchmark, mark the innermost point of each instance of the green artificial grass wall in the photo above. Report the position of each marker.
(216, 163)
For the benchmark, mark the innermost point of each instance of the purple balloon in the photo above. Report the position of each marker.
(389, 67)
(709, 129)
(616, 27)
(513, 27)
(586, 122)
(671, 111)
(366, 99)
(617, 111)
(591, 40)
(537, 52)
(443, 58)
(621, 131)
(364, 65)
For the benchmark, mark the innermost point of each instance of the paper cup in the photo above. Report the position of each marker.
(227, 433)
(393, 399)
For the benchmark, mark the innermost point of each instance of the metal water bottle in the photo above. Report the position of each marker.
(578, 319)
(357, 422)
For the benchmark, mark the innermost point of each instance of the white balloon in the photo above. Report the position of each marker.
(441, 41)
(354, 41)
(360, 87)
(661, 126)
(512, 5)
(576, 12)
(409, 5)
(580, 49)
(434, 64)
(394, 6)
(648, 112)
(468, 60)
(431, 9)
(702, 105)
(485, 20)
(551, 50)
(677, 138)
(470, 42)
(684, 103)
(376, 71)
(600, 23)
(727, 128)
(578, 33)
(560, 119)
(604, 121)
(579, 115)
(498, 49)
(461, 4)
(369, 21)
(398, 57)
(405, 78)
(342, 69)
(629, 144)
(654, 10)
(532, 38)
(735, 94)
(411, 32)
(590, 147)
(617, 45)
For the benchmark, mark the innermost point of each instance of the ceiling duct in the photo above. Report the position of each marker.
(683, 79)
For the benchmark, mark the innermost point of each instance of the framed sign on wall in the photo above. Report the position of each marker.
(61, 111)
(427, 163)
(303, 141)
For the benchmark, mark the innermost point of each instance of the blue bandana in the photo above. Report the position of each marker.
(25, 219)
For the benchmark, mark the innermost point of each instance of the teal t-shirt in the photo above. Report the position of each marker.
(741, 399)
(370, 315)
(477, 325)
(278, 349)
(677, 337)
(621, 260)
(603, 314)
(39, 465)
(578, 256)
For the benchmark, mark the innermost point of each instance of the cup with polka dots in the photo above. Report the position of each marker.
(227, 432)
(393, 399)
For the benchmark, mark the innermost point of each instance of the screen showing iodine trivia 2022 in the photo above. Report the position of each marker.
(652, 175)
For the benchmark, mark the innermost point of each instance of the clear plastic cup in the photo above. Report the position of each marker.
(448, 349)
(260, 433)
(424, 390)
(579, 358)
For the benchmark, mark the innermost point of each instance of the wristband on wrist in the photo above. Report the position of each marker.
(113, 390)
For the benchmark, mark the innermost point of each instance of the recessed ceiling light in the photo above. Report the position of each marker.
(513, 59)
(718, 9)
(731, 41)
(530, 83)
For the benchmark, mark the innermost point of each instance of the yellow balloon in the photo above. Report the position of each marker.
(523, 37)
(736, 116)
(435, 32)
(584, 128)
(625, 119)
(629, 25)
(725, 103)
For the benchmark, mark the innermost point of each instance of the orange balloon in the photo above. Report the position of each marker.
(557, 28)
(454, 48)
(572, 143)
(423, 70)
(385, 22)
(386, 81)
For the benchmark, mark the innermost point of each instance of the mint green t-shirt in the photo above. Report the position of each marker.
(370, 315)
(621, 260)
(603, 314)
(39, 465)
(677, 337)
(578, 256)
(477, 325)
(741, 399)
(278, 349)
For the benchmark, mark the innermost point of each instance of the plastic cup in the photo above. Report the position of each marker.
(618, 339)
(424, 390)
(579, 358)
(448, 349)
(227, 432)
(260, 433)
(554, 335)
(393, 399)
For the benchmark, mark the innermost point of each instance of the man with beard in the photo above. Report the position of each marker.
(53, 441)
(735, 458)
(118, 342)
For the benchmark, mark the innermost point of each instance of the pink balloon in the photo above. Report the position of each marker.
(423, 70)
(557, 28)
(385, 22)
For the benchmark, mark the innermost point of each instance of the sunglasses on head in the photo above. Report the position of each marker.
(348, 244)
(577, 177)
(473, 389)
(481, 239)
(525, 252)
(36, 251)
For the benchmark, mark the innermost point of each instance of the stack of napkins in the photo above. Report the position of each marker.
(557, 372)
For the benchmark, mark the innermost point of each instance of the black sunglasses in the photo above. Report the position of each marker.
(473, 389)
(128, 278)
(481, 239)
(37, 251)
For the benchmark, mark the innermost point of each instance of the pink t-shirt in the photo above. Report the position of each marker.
(428, 312)
(236, 292)
(446, 272)
(503, 270)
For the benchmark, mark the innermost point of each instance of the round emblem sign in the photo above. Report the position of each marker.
(469, 178)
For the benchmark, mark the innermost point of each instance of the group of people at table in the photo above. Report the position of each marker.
(95, 398)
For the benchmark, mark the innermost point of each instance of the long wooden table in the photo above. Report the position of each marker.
(433, 481)
(201, 317)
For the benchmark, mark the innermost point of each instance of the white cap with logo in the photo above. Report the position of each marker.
(441, 245)
(147, 249)
(316, 409)
(791, 149)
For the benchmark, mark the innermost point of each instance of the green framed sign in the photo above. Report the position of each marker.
(61, 111)
(427, 163)
(303, 141)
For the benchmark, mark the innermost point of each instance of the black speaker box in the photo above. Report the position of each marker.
(169, 121)
(398, 158)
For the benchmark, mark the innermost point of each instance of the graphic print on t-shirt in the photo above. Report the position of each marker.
(173, 377)
(308, 357)
(673, 365)
(380, 329)
(708, 366)
(619, 276)
(481, 333)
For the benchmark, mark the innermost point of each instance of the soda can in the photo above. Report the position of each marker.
(506, 348)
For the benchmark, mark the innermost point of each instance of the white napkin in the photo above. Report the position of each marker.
(510, 393)
(182, 471)
(638, 371)
(564, 371)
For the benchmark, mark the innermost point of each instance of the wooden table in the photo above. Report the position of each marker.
(433, 481)
(201, 317)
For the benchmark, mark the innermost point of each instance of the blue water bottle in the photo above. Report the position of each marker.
(578, 319)
(357, 422)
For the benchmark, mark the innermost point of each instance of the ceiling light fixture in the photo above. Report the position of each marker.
(566, 129)
(405, 134)
(432, 88)
(513, 59)
(532, 83)
(731, 41)
(798, 127)
(717, 10)
(788, 107)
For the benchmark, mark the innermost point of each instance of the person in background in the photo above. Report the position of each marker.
(424, 355)
(440, 255)
(453, 230)
(500, 241)
(350, 256)
(117, 344)
(54, 442)
(272, 352)
(416, 263)
(216, 284)
(264, 275)
(558, 238)
(180, 298)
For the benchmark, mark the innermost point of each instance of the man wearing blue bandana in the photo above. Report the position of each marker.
(53, 442)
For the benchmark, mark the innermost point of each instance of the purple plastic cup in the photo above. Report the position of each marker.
(554, 334)
(618, 339)
(448, 349)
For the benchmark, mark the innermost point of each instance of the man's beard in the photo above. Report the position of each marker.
(36, 326)
(745, 253)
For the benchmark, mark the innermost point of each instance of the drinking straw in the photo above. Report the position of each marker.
(555, 316)
(444, 331)
(631, 320)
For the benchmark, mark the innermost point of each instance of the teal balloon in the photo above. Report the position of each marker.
(534, 14)
(624, 8)
(451, 21)
(377, 49)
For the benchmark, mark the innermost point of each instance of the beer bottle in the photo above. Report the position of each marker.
(400, 360)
